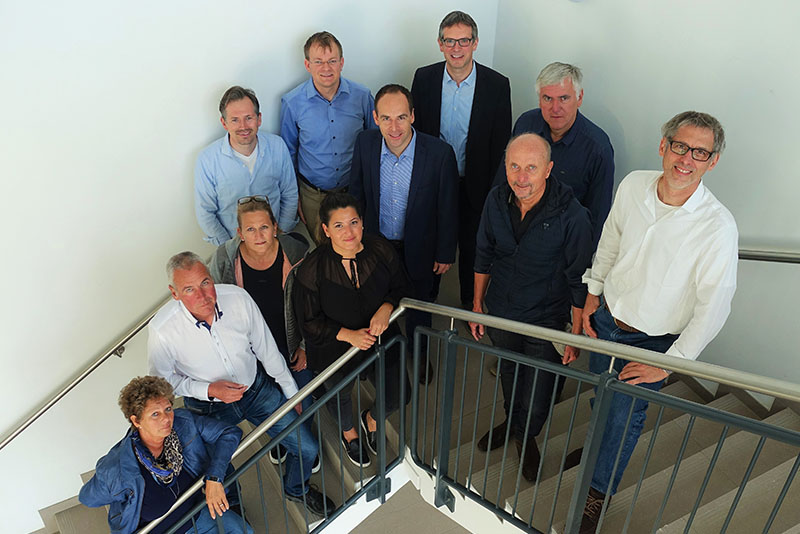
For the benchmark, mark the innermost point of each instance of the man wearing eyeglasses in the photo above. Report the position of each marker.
(243, 162)
(665, 268)
(320, 119)
(468, 105)
(583, 157)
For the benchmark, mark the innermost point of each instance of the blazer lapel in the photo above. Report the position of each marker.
(417, 174)
(375, 173)
(436, 101)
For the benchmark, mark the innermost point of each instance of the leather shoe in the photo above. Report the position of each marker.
(498, 438)
(426, 378)
(591, 511)
(573, 459)
(315, 502)
(530, 461)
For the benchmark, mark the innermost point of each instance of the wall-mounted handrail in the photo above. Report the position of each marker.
(116, 348)
(773, 256)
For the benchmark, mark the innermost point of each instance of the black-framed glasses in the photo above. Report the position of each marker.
(253, 198)
(464, 41)
(698, 154)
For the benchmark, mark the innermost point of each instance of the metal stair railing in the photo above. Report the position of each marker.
(118, 347)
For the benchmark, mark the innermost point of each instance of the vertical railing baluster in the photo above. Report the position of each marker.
(745, 479)
(491, 425)
(443, 494)
(461, 412)
(782, 495)
(594, 435)
(706, 478)
(650, 446)
(674, 475)
(263, 499)
(380, 398)
(628, 422)
(475, 419)
(563, 455)
(507, 440)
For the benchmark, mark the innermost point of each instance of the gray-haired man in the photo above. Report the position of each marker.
(582, 154)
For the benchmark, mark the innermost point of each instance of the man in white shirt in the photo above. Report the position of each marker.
(212, 345)
(666, 269)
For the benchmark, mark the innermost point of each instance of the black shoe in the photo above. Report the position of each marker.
(498, 438)
(315, 502)
(370, 437)
(316, 467)
(277, 455)
(426, 378)
(530, 460)
(355, 452)
(591, 511)
(573, 459)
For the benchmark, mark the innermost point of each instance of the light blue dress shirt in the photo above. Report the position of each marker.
(456, 112)
(221, 179)
(395, 183)
(321, 134)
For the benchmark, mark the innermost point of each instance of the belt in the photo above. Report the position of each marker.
(342, 189)
(621, 324)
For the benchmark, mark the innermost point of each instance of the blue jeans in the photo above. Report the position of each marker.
(259, 402)
(230, 520)
(615, 431)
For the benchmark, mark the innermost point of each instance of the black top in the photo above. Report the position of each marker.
(266, 288)
(521, 224)
(325, 299)
(158, 498)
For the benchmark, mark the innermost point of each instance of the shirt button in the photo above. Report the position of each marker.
(334, 137)
(336, 154)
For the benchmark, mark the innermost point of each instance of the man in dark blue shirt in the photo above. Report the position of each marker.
(583, 157)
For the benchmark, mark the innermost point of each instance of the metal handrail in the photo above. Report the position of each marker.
(118, 347)
(261, 429)
(116, 350)
(769, 255)
(708, 371)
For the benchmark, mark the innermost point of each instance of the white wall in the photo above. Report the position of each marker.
(107, 106)
(643, 62)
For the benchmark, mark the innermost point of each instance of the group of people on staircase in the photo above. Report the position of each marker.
(389, 190)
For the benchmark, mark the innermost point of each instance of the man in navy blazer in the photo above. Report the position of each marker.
(408, 182)
(467, 105)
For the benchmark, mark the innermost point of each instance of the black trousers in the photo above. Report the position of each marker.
(528, 382)
(468, 221)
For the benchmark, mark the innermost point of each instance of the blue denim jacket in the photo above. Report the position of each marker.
(118, 482)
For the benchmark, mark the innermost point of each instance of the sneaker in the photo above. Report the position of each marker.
(316, 467)
(591, 512)
(315, 502)
(498, 438)
(370, 437)
(355, 452)
(277, 455)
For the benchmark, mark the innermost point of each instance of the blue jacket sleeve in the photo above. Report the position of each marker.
(601, 186)
(289, 132)
(205, 203)
(447, 209)
(484, 241)
(578, 250)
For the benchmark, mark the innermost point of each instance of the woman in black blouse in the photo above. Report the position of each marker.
(344, 294)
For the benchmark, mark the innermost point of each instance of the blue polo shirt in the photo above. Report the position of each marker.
(320, 134)
(583, 159)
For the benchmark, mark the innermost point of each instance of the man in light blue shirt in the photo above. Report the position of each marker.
(320, 119)
(456, 112)
(243, 162)
(395, 181)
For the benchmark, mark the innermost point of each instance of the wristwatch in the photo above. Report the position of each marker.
(213, 479)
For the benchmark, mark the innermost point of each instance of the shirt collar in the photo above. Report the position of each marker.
(407, 153)
(199, 322)
(572, 133)
(469, 80)
(691, 204)
(311, 91)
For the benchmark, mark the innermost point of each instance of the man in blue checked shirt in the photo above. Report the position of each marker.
(243, 162)
(320, 119)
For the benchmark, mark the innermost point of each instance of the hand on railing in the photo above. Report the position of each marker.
(360, 339)
(380, 320)
(215, 498)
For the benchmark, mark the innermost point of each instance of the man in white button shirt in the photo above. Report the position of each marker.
(666, 271)
(212, 345)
